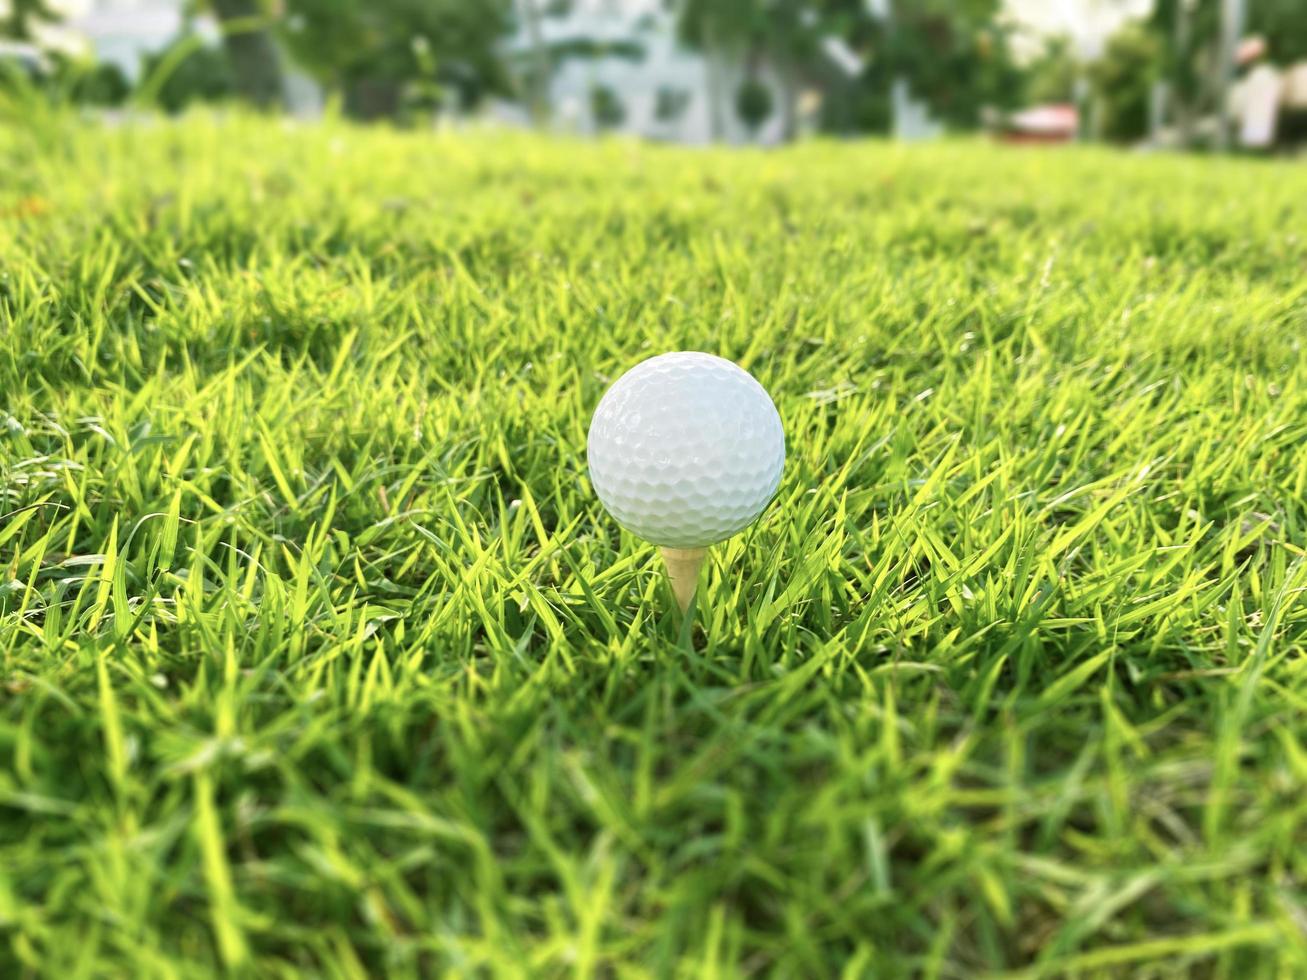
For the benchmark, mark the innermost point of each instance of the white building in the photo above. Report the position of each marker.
(665, 90)
(123, 32)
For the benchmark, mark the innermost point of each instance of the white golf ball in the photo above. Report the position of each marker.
(686, 449)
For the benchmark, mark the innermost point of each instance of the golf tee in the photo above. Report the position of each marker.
(683, 566)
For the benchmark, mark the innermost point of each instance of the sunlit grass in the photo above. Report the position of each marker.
(320, 655)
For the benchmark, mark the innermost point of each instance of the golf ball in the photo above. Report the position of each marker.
(686, 449)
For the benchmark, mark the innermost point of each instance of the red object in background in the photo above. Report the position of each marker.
(1059, 123)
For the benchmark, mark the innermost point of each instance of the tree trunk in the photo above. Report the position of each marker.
(1232, 24)
(1184, 95)
(538, 94)
(716, 127)
(789, 102)
(255, 63)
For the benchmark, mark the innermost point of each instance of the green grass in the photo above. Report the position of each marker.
(317, 654)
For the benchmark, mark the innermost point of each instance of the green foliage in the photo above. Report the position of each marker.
(251, 49)
(588, 49)
(606, 107)
(58, 81)
(1284, 25)
(1189, 47)
(1187, 41)
(319, 657)
(732, 25)
(189, 71)
(955, 56)
(1123, 78)
(1051, 77)
(785, 31)
(862, 106)
(92, 83)
(753, 104)
(22, 18)
(1281, 22)
(387, 46)
(671, 103)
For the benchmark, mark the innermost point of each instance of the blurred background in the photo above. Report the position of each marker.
(1205, 74)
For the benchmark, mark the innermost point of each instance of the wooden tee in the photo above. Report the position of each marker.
(683, 566)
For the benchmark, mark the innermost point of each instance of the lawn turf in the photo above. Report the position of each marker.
(317, 653)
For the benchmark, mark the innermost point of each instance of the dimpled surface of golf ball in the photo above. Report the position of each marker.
(686, 449)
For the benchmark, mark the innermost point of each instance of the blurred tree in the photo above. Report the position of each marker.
(1186, 32)
(94, 83)
(785, 34)
(606, 107)
(753, 104)
(25, 17)
(671, 103)
(1051, 77)
(247, 38)
(1188, 29)
(1123, 79)
(954, 54)
(375, 51)
(1188, 35)
(188, 71)
(1284, 25)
